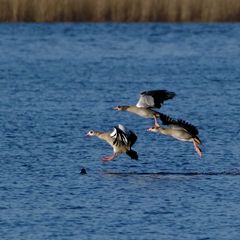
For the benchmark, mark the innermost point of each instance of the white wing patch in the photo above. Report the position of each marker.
(114, 133)
(119, 135)
(124, 129)
(145, 101)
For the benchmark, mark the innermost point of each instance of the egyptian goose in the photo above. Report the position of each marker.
(121, 139)
(180, 130)
(147, 101)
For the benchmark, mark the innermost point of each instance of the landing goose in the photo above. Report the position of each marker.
(147, 101)
(180, 130)
(121, 139)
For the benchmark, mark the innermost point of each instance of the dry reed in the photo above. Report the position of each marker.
(120, 10)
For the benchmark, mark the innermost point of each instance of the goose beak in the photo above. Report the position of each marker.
(115, 108)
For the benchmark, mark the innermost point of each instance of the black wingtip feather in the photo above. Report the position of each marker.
(132, 154)
(170, 95)
(164, 94)
(166, 120)
(132, 138)
(159, 96)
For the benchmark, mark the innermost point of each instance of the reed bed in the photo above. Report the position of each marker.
(120, 10)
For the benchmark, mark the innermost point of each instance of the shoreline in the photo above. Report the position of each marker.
(127, 11)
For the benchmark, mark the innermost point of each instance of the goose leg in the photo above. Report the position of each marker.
(197, 148)
(155, 121)
(108, 158)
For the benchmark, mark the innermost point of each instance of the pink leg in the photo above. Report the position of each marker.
(108, 158)
(155, 122)
(197, 148)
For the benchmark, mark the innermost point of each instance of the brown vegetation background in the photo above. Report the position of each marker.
(120, 10)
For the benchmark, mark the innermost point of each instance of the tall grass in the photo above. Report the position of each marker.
(119, 10)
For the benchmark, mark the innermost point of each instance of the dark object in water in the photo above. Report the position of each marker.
(83, 171)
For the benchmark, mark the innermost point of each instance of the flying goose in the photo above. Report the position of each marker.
(180, 130)
(121, 139)
(147, 101)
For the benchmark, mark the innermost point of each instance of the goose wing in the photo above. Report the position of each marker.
(131, 136)
(119, 137)
(179, 123)
(154, 98)
(122, 136)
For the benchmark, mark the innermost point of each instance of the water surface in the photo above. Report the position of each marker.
(58, 81)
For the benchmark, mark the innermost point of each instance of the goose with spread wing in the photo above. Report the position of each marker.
(180, 130)
(121, 139)
(147, 101)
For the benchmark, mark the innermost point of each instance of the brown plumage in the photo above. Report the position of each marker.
(180, 130)
(147, 101)
(120, 139)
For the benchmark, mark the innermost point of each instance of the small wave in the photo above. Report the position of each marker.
(222, 173)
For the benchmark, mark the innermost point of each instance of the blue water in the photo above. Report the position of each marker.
(58, 81)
